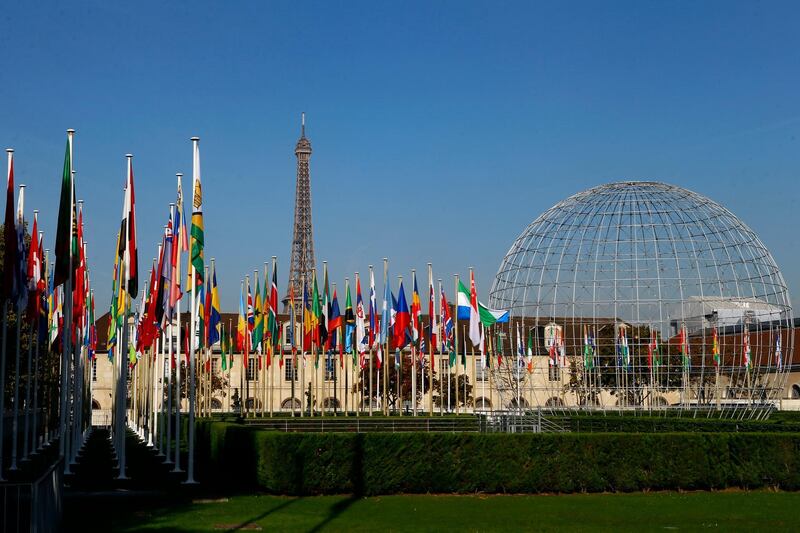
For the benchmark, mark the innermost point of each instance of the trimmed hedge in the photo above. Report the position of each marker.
(660, 424)
(237, 457)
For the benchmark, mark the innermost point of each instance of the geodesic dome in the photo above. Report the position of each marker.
(688, 288)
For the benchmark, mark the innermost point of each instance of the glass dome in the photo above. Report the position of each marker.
(665, 288)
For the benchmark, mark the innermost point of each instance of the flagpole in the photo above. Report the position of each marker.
(371, 391)
(178, 344)
(413, 355)
(440, 342)
(38, 355)
(431, 347)
(385, 399)
(455, 324)
(193, 338)
(26, 442)
(272, 342)
(65, 339)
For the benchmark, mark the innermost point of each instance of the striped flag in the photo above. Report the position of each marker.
(198, 239)
(127, 242)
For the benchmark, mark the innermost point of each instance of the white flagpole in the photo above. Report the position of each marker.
(178, 347)
(193, 338)
(15, 413)
(374, 310)
(414, 353)
(66, 338)
(122, 379)
(431, 347)
(455, 327)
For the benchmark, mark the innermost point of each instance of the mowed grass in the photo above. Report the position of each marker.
(724, 511)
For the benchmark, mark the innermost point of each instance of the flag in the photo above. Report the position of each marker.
(258, 321)
(241, 325)
(432, 317)
(201, 316)
(486, 316)
(684, 347)
(223, 348)
(272, 318)
(530, 350)
(292, 319)
(215, 316)
(166, 272)
(373, 309)
(325, 313)
(10, 234)
(34, 275)
(198, 238)
(386, 312)
(308, 320)
(180, 245)
(402, 319)
(746, 354)
(715, 347)
(66, 208)
(334, 324)
(316, 316)
(416, 311)
(468, 309)
(623, 353)
(652, 348)
(447, 324)
(362, 342)
(21, 264)
(499, 349)
(349, 321)
(127, 242)
(588, 348)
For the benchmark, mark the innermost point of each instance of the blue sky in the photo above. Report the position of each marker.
(417, 112)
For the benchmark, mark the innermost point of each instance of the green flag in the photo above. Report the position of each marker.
(66, 207)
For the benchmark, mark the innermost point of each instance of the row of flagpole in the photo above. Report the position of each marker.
(57, 303)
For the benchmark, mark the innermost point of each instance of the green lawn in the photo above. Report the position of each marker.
(723, 511)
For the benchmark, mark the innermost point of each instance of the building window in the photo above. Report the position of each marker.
(554, 373)
(481, 374)
(94, 369)
(330, 367)
(444, 365)
(214, 365)
(251, 369)
(289, 370)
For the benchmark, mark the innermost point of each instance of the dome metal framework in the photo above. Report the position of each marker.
(646, 295)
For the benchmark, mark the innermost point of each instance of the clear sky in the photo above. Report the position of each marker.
(439, 129)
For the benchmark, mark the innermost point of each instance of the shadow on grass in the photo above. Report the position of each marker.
(337, 509)
(263, 515)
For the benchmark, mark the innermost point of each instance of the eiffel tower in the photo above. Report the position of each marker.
(302, 259)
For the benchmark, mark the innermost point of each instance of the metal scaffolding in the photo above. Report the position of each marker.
(643, 295)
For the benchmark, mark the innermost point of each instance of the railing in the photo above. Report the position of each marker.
(368, 425)
(521, 422)
(33, 506)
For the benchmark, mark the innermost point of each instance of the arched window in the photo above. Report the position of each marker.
(659, 401)
(252, 403)
(483, 403)
(522, 403)
(216, 404)
(554, 401)
(795, 395)
(331, 403)
(290, 403)
(96, 404)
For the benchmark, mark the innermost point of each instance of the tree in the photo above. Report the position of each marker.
(397, 376)
(447, 391)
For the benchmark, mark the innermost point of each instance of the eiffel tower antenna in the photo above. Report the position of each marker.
(302, 257)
